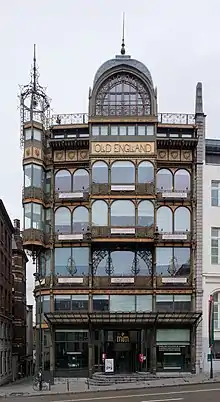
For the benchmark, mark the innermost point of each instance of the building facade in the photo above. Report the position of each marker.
(211, 252)
(113, 217)
(6, 230)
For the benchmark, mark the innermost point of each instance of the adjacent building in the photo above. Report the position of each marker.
(113, 203)
(211, 251)
(6, 231)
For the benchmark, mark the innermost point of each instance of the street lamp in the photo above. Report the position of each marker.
(211, 333)
(38, 278)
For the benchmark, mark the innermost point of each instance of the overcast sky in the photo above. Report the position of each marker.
(178, 40)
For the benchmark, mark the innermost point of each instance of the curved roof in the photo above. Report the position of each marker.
(120, 61)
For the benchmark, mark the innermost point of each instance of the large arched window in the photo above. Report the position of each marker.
(145, 172)
(99, 213)
(80, 219)
(182, 180)
(80, 180)
(123, 95)
(100, 173)
(63, 220)
(145, 213)
(122, 213)
(63, 180)
(165, 220)
(164, 180)
(182, 219)
(122, 172)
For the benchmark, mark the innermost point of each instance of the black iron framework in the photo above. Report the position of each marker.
(123, 95)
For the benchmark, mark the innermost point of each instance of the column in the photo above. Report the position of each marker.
(153, 362)
(52, 354)
(193, 349)
(90, 351)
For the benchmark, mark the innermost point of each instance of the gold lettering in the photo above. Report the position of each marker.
(97, 148)
(123, 148)
(116, 148)
(108, 148)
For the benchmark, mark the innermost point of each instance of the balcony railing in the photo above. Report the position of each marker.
(36, 193)
(140, 188)
(125, 232)
(82, 118)
(30, 236)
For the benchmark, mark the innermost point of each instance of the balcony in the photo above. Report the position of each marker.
(139, 188)
(33, 237)
(123, 232)
(131, 282)
(173, 237)
(176, 118)
(71, 196)
(35, 193)
(69, 119)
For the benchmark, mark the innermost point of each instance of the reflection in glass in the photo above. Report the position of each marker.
(145, 172)
(100, 173)
(71, 261)
(145, 213)
(182, 219)
(165, 220)
(44, 263)
(62, 302)
(173, 261)
(27, 175)
(63, 220)
(182, 180)
(81, 180)
(80, 219)
(144, 303)
(122, 303)
(99, 213)
(164, 180)
(122, 262)
(37, 210)
(122, 172)
(27, 216)
(33, 176)
(100, 302)
(63, 180)
(122, 213)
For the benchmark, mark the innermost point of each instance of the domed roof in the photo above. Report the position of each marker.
(120, 61)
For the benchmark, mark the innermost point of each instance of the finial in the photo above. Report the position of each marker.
(123, 36)
(199, 100)
(34, 70)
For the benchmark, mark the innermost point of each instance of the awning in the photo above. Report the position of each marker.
(145, 318)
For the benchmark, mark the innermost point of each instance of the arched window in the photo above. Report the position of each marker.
(145, 213)
(182, 180)
(165, 220)
(80, 180)
(164, 180)
(121, 263)
(123, 95)
(80, 219)
(99, 213)
(122, 213)
(145, 172)
(100, 173)
(122, 172)
(182, 220)
(63, 180)
(63, 220)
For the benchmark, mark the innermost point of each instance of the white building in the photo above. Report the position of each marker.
(211, 247)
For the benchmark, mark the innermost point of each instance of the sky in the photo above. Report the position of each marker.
(178, 40)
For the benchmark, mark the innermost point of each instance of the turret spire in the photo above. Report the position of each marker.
(123, 36)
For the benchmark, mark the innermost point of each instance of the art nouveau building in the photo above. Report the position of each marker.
(112, 203)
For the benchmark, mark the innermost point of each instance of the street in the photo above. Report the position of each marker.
(193, 393)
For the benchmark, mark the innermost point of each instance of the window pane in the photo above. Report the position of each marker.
(182, 220)
(144, 303)
(81, 180)
(164, 180)
(63, 180)
(145, 213)
(99, 213)
(80, 219)
(37, 176)
(122, 213)
(80, 302)
(100, 262)
(131, 130)
(100, 173)
(114, 130)
(63, 220)
(181, 261)
(164, 256)
(27, 175)
(81, 258)
(141, 130)
(28, 134)
(95, 130)
(122, 130)
(62, 256)
(145, 172)
(104, 130)
(122, 303)
(150, 130)
(27, 216)
(62, 302)
(165, 220)
(47, 182)
(100, 303)
(37, 216)
(37, 134)
(182, 180)
(122, 172)
(122, 263)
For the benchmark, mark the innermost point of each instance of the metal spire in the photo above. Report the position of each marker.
(34, 70)
(123, 36)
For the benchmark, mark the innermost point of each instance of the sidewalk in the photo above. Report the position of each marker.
(79, 385)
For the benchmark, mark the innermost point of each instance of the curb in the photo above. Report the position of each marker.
(147, 386)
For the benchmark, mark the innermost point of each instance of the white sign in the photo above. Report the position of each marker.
(119, 187)
(78, 236)
(173, 236)
(174, 280)
(109, 365)
(70, 195)
(122, 230)
(122, 280)
(70, 280)
(174, 195)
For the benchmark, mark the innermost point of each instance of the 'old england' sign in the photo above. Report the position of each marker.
(122, 148)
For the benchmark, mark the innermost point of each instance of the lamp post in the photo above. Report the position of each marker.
(211, 333)
(38, 278)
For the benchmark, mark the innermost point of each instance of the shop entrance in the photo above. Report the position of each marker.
(122, 348)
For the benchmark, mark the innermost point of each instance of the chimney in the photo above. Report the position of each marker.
(17, 226)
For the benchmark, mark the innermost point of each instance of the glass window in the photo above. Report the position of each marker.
(145, 172)
(27, 216)
(181, 180)
(122, 213)
(37, 210)
(165, 220)
(80, 219)
(62, 256)
(95, 130)
(80, 302)
(215, 245)
(37, 176)
(47, 220)
(62, 302)
(28, 134)
(44, 263)
(122, 303)
(80, 255)
(144, 303)
(216, 298)
(121, 263)
(100, 262)
(104, 130)
(63, 220)
(182, 220)
(122, 130)
(99, 213)
(173, 261)
(100, 173)
(122, 172)
(81, 180)
(131, 130)
(27, 175)
(164, 180)
(114, 130)
(171, 303)
(37, 134)
(63, 180)
(150, 130)
(145, 213)
(141, 130)
(173, 335)
(215, 193)
(48, 182)
(100, 302)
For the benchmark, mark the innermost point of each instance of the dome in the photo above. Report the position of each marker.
(123, 60)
